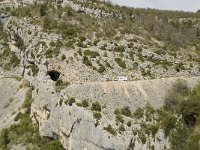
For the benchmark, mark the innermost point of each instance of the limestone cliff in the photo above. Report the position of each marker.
(76, 125)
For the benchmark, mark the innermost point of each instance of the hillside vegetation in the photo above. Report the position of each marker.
(106, 38)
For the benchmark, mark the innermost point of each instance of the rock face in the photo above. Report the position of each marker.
(76, 125)
(12, 95)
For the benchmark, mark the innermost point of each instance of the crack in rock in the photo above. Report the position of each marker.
(72, 128)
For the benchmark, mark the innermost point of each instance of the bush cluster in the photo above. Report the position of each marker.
(91, 54)
(96, 107)
(110, 130)
(121, 63)
(84, 104)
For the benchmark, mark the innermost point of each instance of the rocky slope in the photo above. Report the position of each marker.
(76, 125)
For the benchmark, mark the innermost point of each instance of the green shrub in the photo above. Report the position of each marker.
(193, 142)
(61, 85)
(91, 54)
(71, 101)
(130, 45)
(149, 112)
(4, 139)
(60, 102)
(179, 67)
(14, 60)
(120, 49)
(110, 130)
(49, 54)
(138, 113)
(153, 129)
(97, 115)
(84, 104)
(121, 128)
(86, 61)
(63, 57)
(128, 123)
(108, 65)
(19, 42)
(96, 106)
(121, 63)
(190, 111)
(179, 138)
(82, 38)
(49, 23)
(96, 123)
(142, 137)
(176, 94)
(80, 44)
(168, 123)
(184, 135)
(180, 86)
(117, 112)
(52, 145)
(101, 68)
(80, 52)
(70, 44)
(34, 69)
(119, 118)
(126, 111)
(43, 10)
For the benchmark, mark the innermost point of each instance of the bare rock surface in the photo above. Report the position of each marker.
(12, 96)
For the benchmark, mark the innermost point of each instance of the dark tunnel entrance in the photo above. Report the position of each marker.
(54, 75)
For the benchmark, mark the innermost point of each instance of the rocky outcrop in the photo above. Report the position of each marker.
(75, 125)
(91, 11)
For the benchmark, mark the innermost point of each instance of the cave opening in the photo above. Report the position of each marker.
(54, 75)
